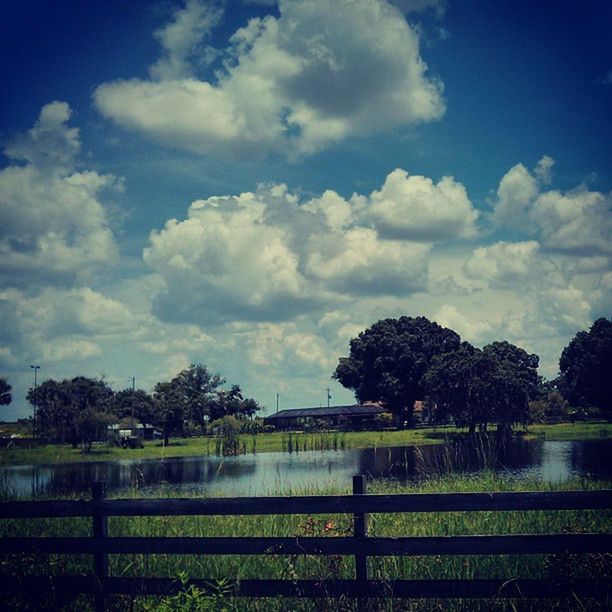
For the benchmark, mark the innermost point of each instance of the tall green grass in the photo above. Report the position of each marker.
(227, 569)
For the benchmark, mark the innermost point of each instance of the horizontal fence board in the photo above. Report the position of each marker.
(370, 546)
(316, 504)
(443, 589)
(46, 509)
(419, 502)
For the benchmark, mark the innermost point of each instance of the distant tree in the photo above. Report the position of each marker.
(197, 389)
(586, 368)
(59, 404)
(139, 403)
(169, 409)
(196, 396)
(387, 362)
(91, 425)
(5, 392)
(248, 408)
(476, 387)
(231, 402)
(553, 406)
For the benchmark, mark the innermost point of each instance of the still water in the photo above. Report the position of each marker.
(276, 473)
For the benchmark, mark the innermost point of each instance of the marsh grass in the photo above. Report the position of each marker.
(226, 569)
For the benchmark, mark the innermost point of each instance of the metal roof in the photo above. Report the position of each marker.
(332, 411)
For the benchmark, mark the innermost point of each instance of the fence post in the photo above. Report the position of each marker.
(99, 530)
(360, 529)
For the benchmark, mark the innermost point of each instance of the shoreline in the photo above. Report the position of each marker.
(277, 442)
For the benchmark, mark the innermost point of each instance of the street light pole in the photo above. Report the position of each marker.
(35, 368)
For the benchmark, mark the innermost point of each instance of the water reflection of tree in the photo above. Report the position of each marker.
(419, 462)
(593, 457)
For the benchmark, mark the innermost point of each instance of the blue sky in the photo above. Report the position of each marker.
(249, 185)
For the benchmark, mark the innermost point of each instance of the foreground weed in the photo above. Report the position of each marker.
(190, 598)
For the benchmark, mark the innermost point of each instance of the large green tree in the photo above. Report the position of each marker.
(387, 362)
(476, 387)
(5, 392)
(459, 386)
(60, 403)
(586, 367)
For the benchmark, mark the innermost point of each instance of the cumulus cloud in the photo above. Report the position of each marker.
(515, 195)
(577, 221)
(52, 222)
(287, 346)
(62, 328)
(413, 207)
(267, 256)
(67, 349)
(317, 74)
(225, 262)
(504, 263)
(473, 330)
(182, 38)
(358, 262)
(564, 309)
(50, 144)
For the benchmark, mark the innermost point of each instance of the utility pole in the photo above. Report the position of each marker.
(277, 397)
(35, 368)
(133, 398)
(329, 396)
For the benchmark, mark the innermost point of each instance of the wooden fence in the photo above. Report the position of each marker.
(360, 544)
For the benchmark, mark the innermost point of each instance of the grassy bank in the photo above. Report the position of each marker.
(229, 568)
(281, 441)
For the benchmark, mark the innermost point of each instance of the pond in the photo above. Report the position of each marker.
(300, 473)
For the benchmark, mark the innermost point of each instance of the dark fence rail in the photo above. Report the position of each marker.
(315, 504)
(360, 545)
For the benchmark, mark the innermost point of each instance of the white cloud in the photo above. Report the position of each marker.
(577, 221)
(516, 192)
(181, 39)
(473, 330)
(503, 263)
(266, 256)
(67, 349)
(413, 207)
(50, 144)
(295, 84)
(285, 346)
(565, 309)
(543, 169)
(358, 262)
(224, 262)
(420, 6)
(55, 313)
(52, 223)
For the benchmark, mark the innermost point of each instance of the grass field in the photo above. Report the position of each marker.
(280, 441)
(229, 568)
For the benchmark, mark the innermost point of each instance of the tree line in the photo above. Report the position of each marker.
(394, 362)
(398, 361)
(77, 410)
